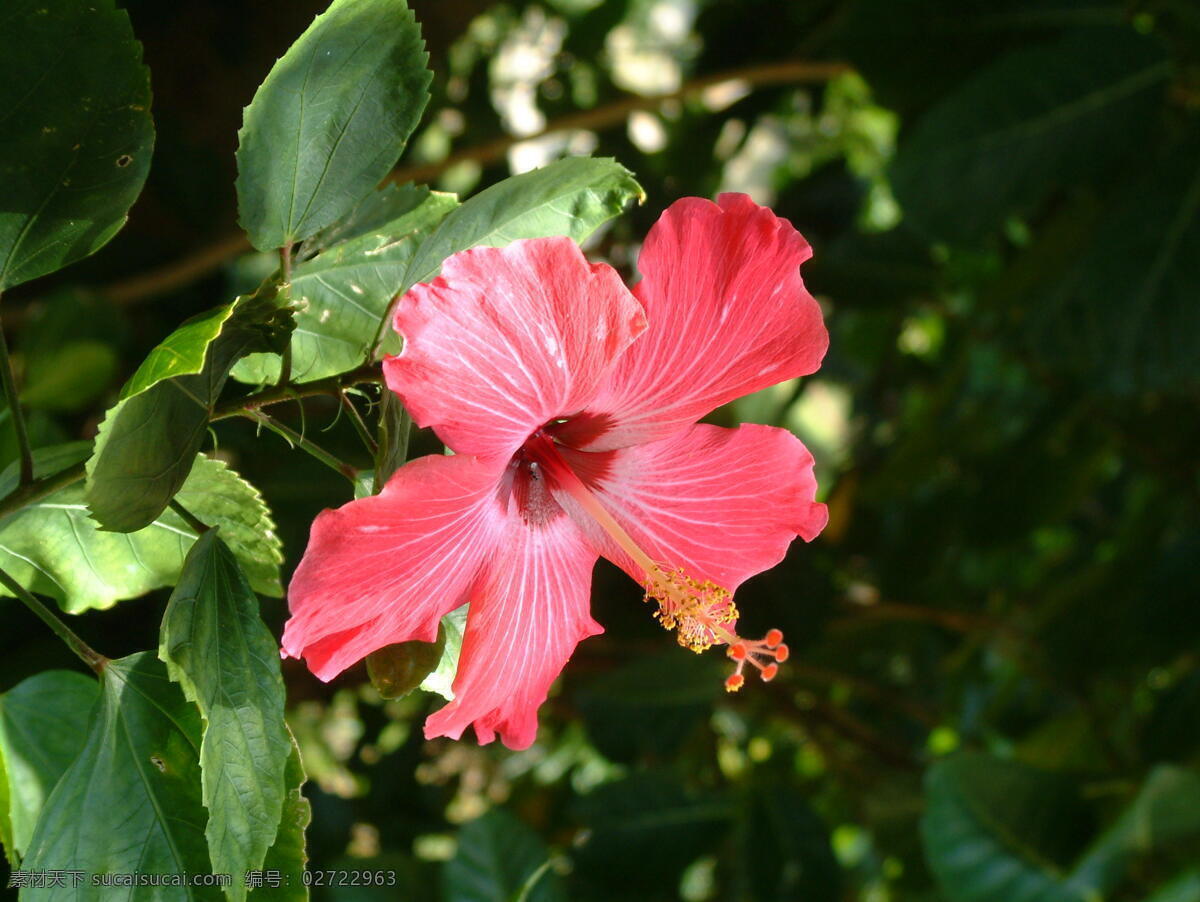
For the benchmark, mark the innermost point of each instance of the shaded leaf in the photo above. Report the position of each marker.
(52, 547)
(341, 294)
(497, 856)
(570, 197)
(785, 850)
(1184, 888)
(989, 828)
(147, 442)
(330, 120)
(648, 707)
(956, 38)
(1130, 321)
(77, 132)
(139, 769)
(42, 724)
(628, 817)
(1165, 811)
(226, 660)
(1173, 730)
(1039, 118)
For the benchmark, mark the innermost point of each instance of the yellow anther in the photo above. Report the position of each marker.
(696, 610)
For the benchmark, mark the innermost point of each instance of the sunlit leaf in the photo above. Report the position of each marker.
(147, 442)
(341, 294)
(226, 660)
(77, 132)
(43, 720)
(441, 679)
(289, 855)
(570, 197)
(330, 120)
(52, 547)
(139, 774)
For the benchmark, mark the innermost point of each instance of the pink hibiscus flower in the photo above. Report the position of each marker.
(571, 405)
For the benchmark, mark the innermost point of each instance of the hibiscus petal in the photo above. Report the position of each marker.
(721, 504)
(728, 312)
(529, 610)
(507, 339)
(386, 568)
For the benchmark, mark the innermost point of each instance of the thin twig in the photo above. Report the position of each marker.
(296, 440)
(86, 653)
(360, 426)
(615, 113)
(14, 408)
(201, 262)
(278, 394)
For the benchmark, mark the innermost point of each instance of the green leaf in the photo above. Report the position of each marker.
(330, 120)
(54, 548)
(784, 848)
(71, 377)
(182, 353)
(878, 37)
(1165, 811)
(288, 854)
(648, 707)
(147, 442)
(1172, 732)
(1183, 888)
(1039, 118)
(67, 350)
(570, 197)
(77, 132)
(42, 724)
(989, 828)
(628, 817)
(226, 660)
(130, 802)
(497, 856)
(441, 680)
(1129, 321)
(343, 292)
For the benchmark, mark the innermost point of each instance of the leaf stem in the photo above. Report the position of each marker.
(86, 653)
(285, 271)
(296, 440)
(14, 406)
(189, 518)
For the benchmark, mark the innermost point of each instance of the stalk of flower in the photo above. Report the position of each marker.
(571, 404)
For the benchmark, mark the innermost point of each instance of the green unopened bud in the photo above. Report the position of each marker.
(397, 670)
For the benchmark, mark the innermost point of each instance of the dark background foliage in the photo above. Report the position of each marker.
(994, 691)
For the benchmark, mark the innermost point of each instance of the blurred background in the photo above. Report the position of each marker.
(994, 686)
